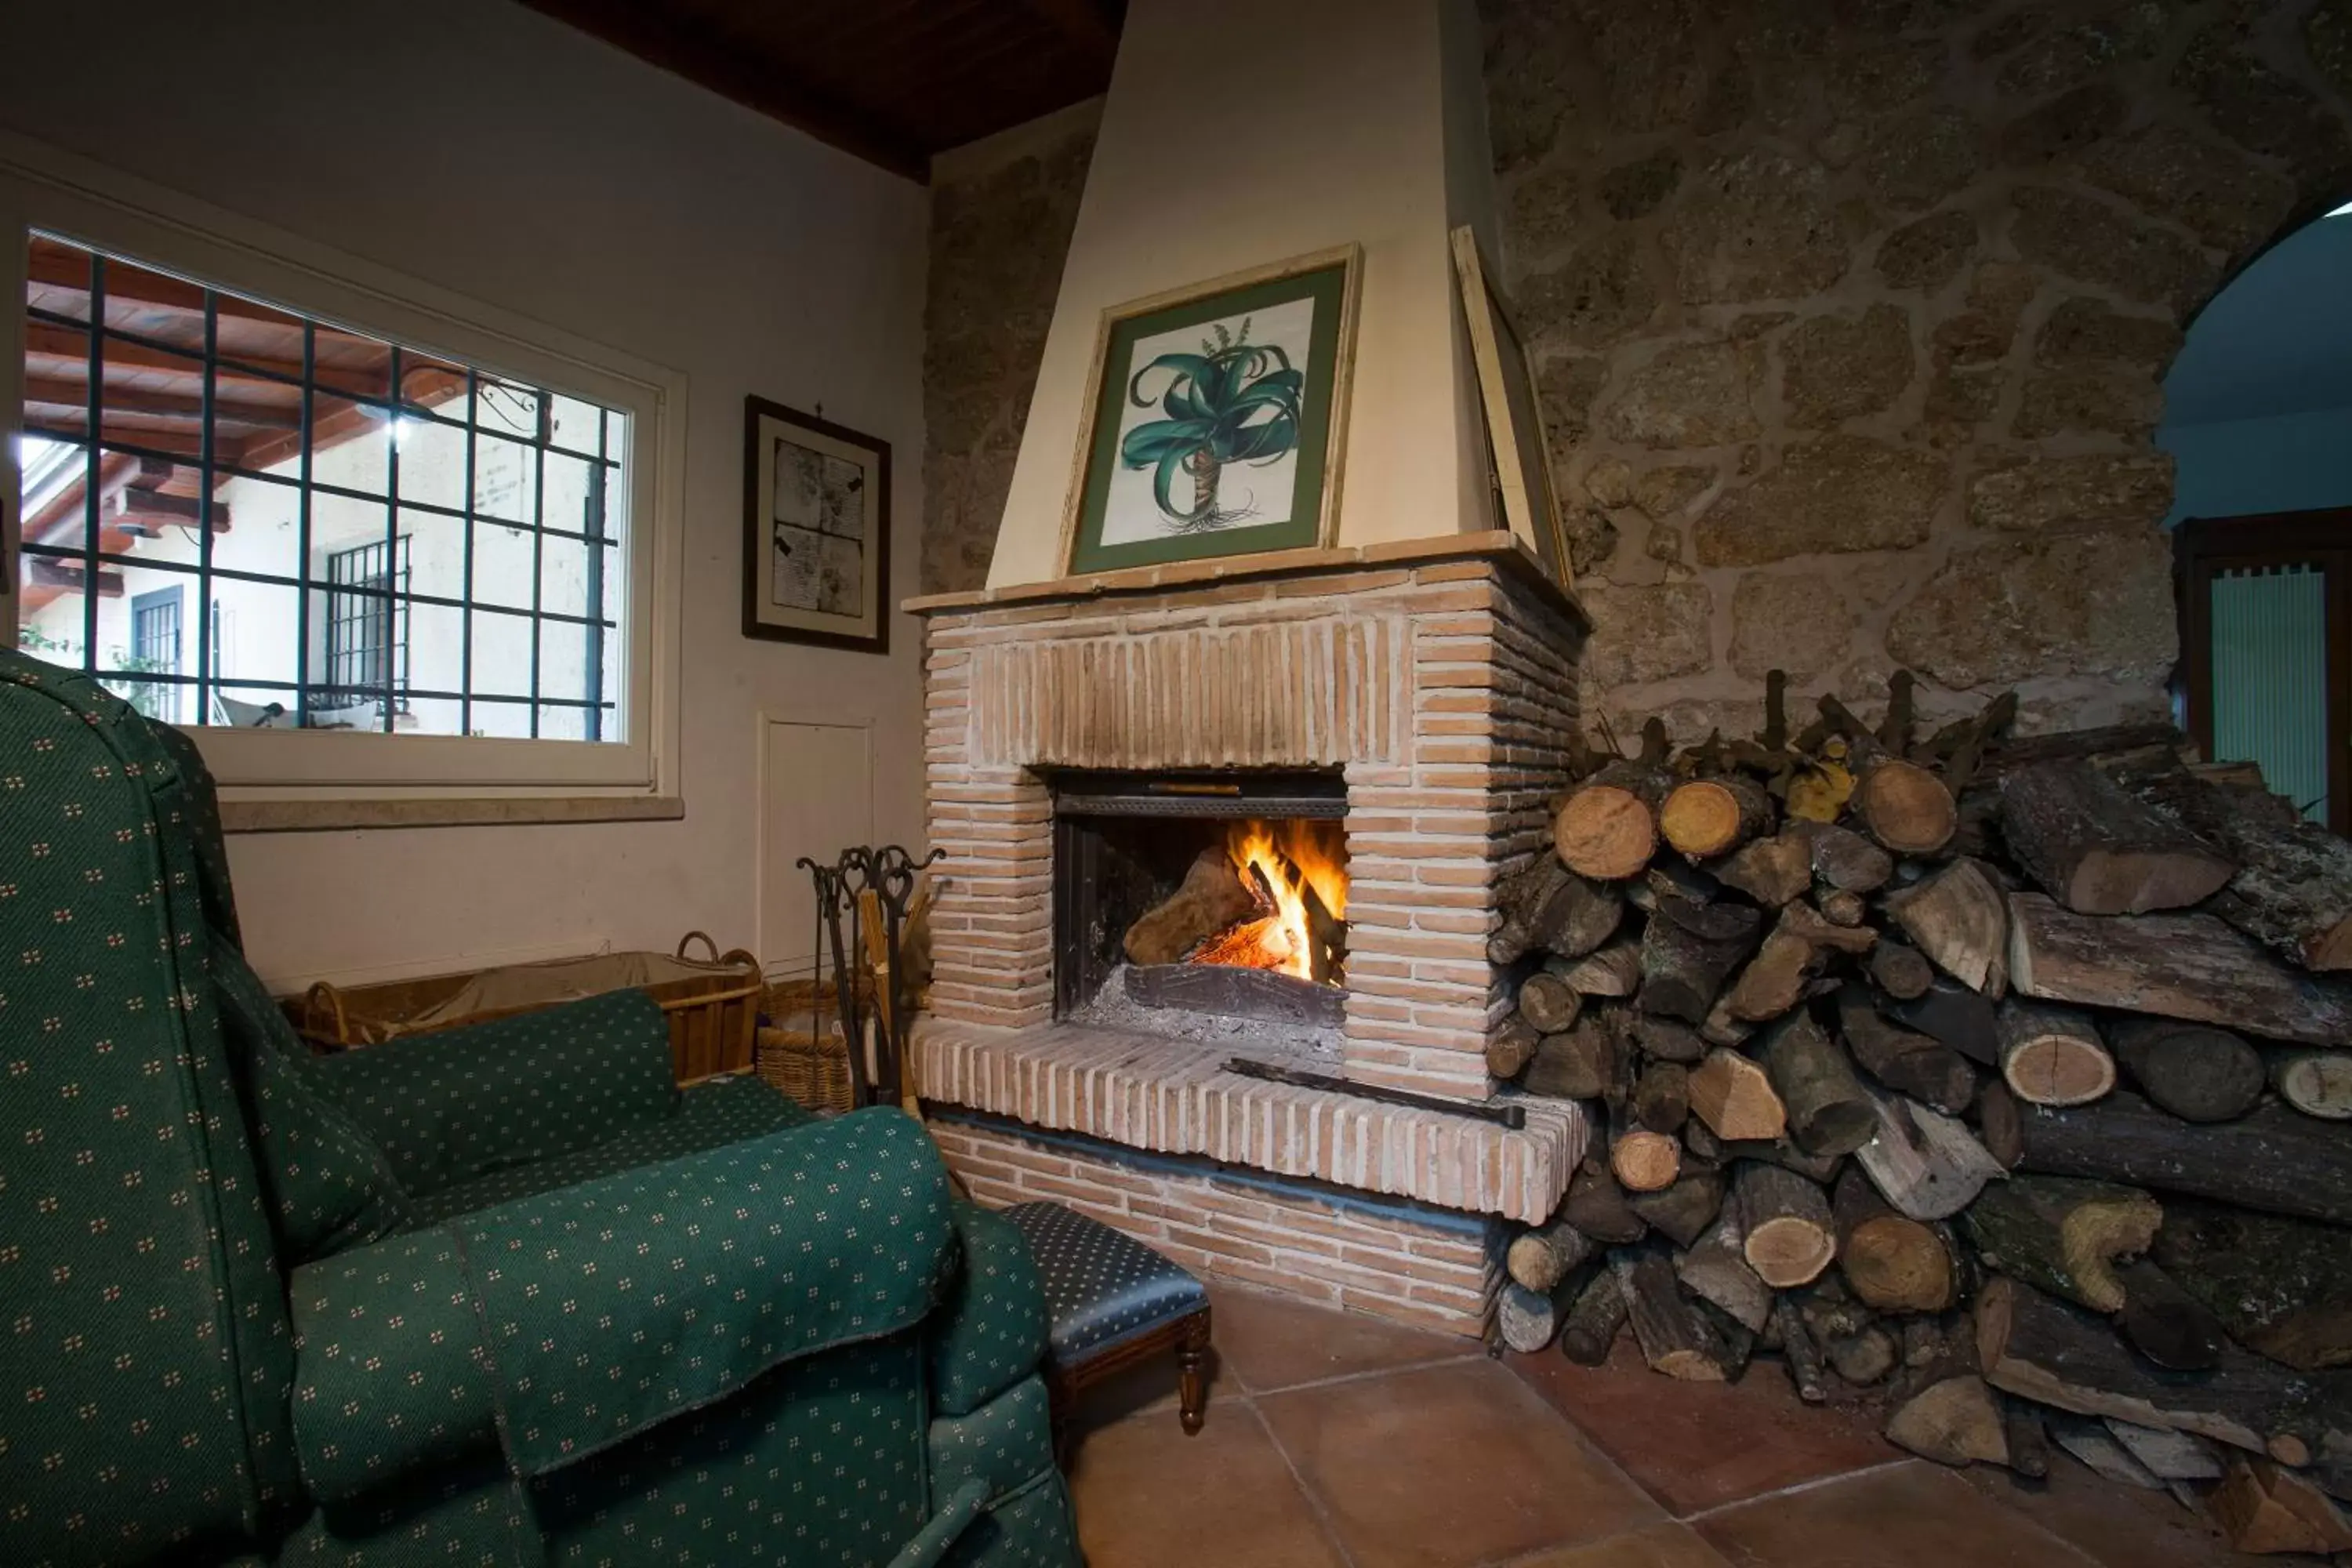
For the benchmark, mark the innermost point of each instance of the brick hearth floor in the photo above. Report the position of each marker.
(1334, 1439)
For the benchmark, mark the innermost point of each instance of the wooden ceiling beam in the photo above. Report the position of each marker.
(1085, 26)
(764, 82)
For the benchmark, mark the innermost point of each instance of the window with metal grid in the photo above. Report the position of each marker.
(155, 650)
(377, 535)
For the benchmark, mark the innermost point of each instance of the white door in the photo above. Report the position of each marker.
(817, 799)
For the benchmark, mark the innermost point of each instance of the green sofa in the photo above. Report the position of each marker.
(502, 1295)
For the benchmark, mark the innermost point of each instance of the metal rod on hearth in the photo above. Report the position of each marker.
(1514, 1117)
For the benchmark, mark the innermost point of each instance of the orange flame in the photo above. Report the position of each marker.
(1285, 860)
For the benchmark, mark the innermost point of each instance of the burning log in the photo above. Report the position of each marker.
(1211, 898)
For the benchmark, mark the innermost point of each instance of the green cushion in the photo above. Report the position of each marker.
(611, 1305)
(330, 1186)
(391, 1378)
(454, 1105)
(991, 1333)
(1035, 1529)
(710, 1115)
(1007, 1442)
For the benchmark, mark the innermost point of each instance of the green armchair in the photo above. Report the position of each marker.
(499, 1295)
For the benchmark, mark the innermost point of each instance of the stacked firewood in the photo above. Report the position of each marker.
(2002, 1081)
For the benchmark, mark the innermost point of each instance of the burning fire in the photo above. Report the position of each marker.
(1294, 868)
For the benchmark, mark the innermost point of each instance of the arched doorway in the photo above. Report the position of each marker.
(2258, 418)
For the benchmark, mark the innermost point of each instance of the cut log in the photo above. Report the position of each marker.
(1512, 1048)
(1827, 1109)
(1585, 1063)
(1527, 1320)
(1720, 1028)
(1863, 1358)
(1905, 807)
(1735, 1099)
(1910, 1064)
(1957, 1422)
(1715, 1269)
(1676, 1339)
(1549, 1003)
(2292, 890)
(1799, 1351)
(1595, 1205)
(2178, 966)
(1668, 1039)
(1841, 908)
(1608, 828)
(1687, 950)
(2282, 1288)
(1594, 1320)
(1819, 1169)
(1951, 1013)
(1899, 970)
(2090, 1442)
(2165, 1323)
(2000, 1125)
(2053, 1056)
(1643, 1161)
(2098, 850)
(1211, 898)
(1923, 1161)
(2276, 1159)
(1706, 817)
(1897, 1264)
(1955, 918)
(1800, 943)
(2029, 1440)
(1547, 908)
(1661, 1100)
(1846, 861)
(2063, 1234)
(2168, 1456)
(2263, 1509)
(1540, 1257)
(1772, 871)
(1684, 1211)
(1787, 1234)
(2195, 1071)
(2317, 1083)
(1613, 969)
(2038, 1347)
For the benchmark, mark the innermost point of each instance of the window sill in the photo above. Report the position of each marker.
(322, 816)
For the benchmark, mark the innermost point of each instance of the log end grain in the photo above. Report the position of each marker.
(1906, 808)
(1605, 832)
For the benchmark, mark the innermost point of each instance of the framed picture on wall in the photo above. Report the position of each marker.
(816, 531)
(1215, 418)
(1519, 456)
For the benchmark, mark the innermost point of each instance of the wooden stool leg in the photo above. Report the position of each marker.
(1192, 1377)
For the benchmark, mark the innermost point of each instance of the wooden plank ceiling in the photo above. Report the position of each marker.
(893, 81)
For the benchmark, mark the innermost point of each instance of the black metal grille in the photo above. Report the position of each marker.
(367, 622)
(350, 609)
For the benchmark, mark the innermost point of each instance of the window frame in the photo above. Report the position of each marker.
(305, 778)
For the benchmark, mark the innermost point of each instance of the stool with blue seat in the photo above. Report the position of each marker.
(1111, 1302)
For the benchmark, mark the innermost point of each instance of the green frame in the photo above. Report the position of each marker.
(1329, 279)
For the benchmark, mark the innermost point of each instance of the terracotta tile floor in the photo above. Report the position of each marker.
(1339, 1440)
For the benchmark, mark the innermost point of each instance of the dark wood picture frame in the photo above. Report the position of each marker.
(760, 416)
(2204, 546)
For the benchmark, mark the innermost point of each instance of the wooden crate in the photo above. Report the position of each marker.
(713, 1003)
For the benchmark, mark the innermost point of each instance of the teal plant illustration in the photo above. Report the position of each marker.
(1234, 402)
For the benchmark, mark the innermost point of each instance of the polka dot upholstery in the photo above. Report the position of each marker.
(1101, 1286)
(1007, 1442)
(992, 1332)
(449, 1107)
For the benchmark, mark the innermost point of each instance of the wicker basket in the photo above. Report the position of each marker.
(800, 1049)
(712, 1005)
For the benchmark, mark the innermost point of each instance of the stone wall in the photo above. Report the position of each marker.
(1850, 316)
(1000, 229)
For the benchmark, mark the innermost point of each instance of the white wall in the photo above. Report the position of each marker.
(2239, 467)
(1237, 134)
(485, 149)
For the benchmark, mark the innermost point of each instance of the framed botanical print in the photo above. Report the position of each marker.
(816, 531)
(1520, 457)
(1216, 416)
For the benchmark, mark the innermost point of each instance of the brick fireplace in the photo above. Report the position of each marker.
(1425, 690)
